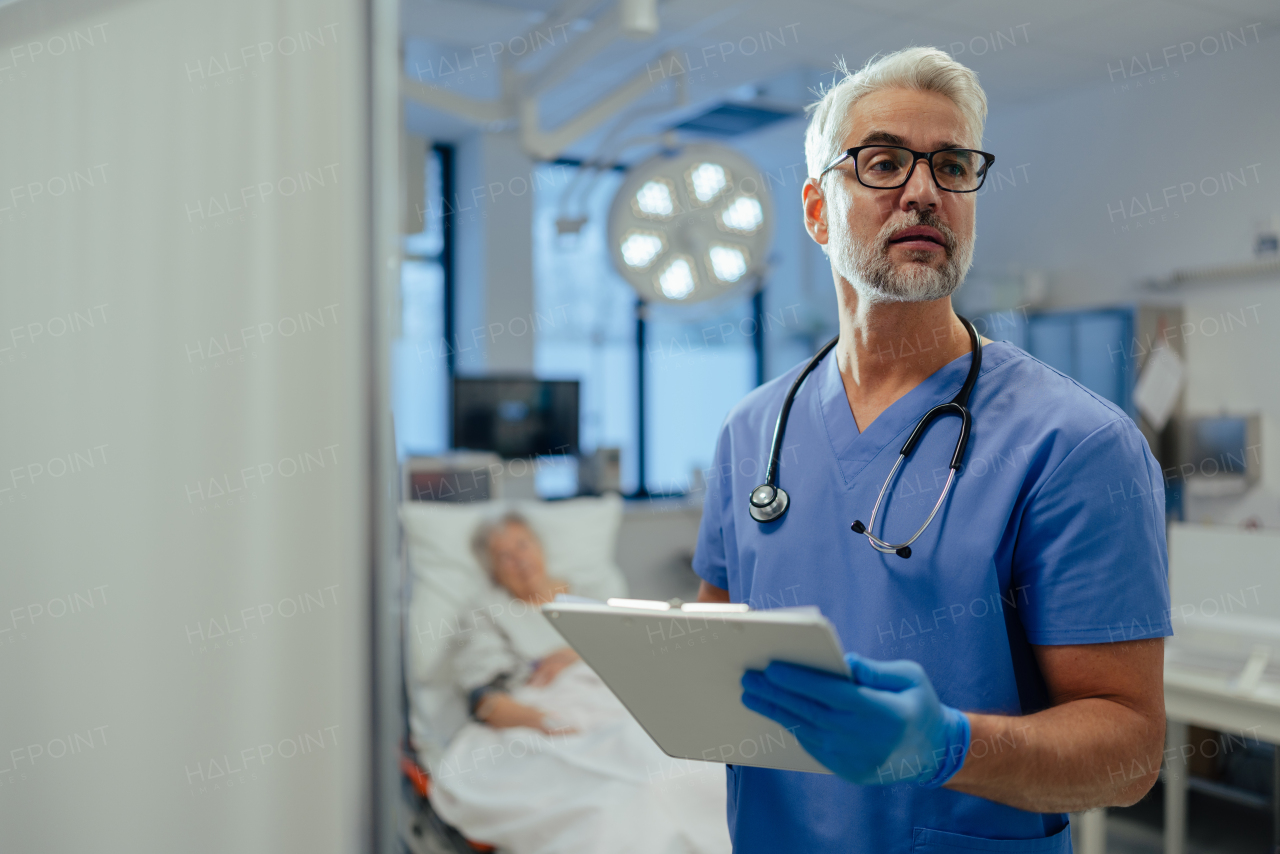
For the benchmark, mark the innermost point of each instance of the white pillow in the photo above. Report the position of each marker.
(579, 537)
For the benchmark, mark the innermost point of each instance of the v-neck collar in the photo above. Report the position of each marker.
(854, 449)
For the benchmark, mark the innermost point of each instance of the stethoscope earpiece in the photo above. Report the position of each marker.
(858, 528)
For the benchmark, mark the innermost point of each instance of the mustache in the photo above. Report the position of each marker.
(912, 220)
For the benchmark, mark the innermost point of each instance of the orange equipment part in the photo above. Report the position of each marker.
(421, 781)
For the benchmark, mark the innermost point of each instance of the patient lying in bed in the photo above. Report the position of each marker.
(552, 762)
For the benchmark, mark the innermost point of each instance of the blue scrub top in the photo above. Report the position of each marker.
(1054, 533)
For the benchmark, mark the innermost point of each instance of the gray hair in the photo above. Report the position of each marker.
(925, 69)
(486, 529)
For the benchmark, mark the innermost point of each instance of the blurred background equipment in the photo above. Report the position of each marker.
(600, 472)
(455, 477)
(1222, 673)
(1221, 454)
(515, 417)
(691, 225)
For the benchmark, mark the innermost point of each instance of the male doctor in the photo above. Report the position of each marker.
(1008, 671)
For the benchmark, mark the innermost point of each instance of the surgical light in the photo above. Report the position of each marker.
(729, 263)
(691, 225)
(676, 282)
(654, 199)
(640, 248)
(743, 214)
(707, 180)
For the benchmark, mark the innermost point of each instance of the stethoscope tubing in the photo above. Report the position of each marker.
(775, 452)
(778, 502)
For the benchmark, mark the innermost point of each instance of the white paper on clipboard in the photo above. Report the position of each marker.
(679, 670)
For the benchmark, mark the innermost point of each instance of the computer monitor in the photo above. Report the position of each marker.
(515, 416)
(1223, 445)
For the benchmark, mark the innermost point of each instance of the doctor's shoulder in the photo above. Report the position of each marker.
(759, 407)
(1047, 407)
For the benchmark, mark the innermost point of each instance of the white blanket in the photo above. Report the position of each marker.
(606, 787)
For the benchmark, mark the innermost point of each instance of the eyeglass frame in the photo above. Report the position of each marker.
(916, 157)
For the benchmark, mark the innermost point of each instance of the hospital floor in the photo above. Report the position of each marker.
(1215, 827)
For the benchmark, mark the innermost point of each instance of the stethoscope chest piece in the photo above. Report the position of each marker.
(768, 502)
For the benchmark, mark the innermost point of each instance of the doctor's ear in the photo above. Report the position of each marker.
(815, 210)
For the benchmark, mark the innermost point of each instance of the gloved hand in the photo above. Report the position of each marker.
(883, 725)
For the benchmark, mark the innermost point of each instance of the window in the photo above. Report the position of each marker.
(697, 368)
(420, 356)
(697, 363)
(587, 326)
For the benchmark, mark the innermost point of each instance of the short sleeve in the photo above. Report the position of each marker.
(485, 656)
(1090, 564)
(710, 560)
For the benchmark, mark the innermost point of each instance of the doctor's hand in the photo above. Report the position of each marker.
(883, 725)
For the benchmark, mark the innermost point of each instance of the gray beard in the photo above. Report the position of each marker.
(877, 279)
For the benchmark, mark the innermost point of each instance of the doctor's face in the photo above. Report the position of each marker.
(517, 560)
(909, 244)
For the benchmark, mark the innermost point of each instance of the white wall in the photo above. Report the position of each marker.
(185, 369)
(1194, 147)
(1073, 174)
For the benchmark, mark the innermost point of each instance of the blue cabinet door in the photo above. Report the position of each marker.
(1091, 347)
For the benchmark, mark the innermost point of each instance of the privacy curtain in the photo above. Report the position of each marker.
(184, 489)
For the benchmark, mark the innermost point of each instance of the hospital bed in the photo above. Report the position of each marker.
(579, 537)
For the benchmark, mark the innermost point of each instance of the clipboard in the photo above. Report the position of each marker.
(678, 668)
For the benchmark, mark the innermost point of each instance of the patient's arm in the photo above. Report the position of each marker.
(551, 665)
(500, 711)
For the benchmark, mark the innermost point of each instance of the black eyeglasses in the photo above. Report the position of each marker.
(887, 167)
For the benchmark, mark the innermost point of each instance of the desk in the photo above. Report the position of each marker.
(1193, 698)
(1219, 668)
(1209, 701)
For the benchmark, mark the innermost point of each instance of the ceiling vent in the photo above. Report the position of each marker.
(732, 119)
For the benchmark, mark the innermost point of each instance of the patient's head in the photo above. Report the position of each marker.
(512, 554)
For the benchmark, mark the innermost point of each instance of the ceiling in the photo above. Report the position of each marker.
(1022, 52)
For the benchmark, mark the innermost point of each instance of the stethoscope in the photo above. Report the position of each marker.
(769, 501)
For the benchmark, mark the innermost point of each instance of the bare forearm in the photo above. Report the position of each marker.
(1079, 755)
(711, 593)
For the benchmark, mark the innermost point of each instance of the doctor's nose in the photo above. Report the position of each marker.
(920, 191)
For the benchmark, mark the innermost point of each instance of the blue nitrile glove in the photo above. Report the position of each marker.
(883, 725)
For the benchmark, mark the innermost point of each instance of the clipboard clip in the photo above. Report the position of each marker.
(679, 605)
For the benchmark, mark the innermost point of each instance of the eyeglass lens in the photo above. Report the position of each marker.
(887, 166)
